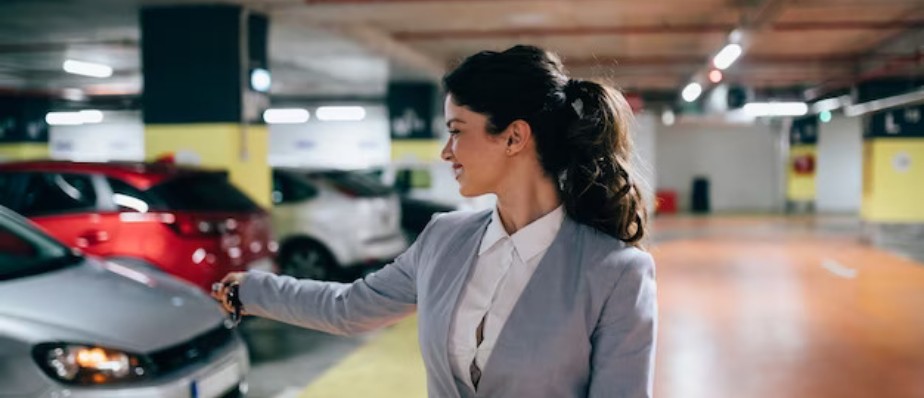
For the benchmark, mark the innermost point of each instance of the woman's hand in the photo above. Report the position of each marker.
(220, 289)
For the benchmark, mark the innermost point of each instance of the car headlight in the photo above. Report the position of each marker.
(86, 364)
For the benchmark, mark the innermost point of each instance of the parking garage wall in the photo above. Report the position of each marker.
(119, 137)
(840, 166)
(332, 144)
(741, 162)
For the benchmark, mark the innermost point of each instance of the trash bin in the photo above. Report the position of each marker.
(699, 203)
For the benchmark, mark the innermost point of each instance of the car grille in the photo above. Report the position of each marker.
(199, 349)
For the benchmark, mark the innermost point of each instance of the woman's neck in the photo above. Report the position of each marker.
(526, 200)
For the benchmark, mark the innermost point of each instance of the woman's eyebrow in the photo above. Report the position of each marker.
(454, 120)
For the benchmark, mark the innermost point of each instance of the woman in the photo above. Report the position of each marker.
(549, 294)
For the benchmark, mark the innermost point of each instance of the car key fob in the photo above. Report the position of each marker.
(234, 300)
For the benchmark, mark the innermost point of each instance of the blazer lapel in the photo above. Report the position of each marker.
(466, 253)
(545, 277)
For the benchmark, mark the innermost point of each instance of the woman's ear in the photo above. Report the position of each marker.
(519, 134)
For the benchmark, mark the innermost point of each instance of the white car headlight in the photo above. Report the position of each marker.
(85, 364)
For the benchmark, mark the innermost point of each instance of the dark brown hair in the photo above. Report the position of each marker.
(581, 130)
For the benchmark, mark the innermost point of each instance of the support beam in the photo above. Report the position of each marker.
(380, 42)
(660, 29)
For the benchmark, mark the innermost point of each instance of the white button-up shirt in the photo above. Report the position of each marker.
(504, 266)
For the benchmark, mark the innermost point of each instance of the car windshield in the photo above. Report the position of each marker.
(24, 250)
(203, 192)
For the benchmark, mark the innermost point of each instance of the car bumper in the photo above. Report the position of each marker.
(214, 379)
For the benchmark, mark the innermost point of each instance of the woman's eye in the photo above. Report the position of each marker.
(454, 132)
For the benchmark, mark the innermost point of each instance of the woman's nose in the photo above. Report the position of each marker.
(446, 153)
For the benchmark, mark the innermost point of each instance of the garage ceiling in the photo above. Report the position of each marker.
(352, 48)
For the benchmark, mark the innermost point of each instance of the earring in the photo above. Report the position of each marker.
(508, 151)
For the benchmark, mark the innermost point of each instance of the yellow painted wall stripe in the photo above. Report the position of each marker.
(801, 187)
(893, 180)
(416, 150)
(24, 151)
(218, 145)
(390, 366)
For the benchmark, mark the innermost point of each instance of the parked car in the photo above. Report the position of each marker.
(77, 326)
(328, 222)
(189, 222)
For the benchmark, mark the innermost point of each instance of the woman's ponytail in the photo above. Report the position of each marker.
(599, 185)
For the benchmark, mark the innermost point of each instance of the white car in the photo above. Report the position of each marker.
(331, 221)
(77, 326)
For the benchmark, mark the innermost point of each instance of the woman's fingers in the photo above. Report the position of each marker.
(220, 289)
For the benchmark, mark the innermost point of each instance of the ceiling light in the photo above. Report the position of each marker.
(691, 92)
(668, 117)
(260, 80)
(87, 68)
(73, 94)
(830, 104)
(286, 116)
(715, 76)
(341, 113)
(73, 118)
(735, 36)
(825, 116)
(727, 56)
(91, 116)
(758, 109)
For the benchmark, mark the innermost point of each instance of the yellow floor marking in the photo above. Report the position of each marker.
(388, 366)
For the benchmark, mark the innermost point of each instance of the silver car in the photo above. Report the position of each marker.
(75, 326)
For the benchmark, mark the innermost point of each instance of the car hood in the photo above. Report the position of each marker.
(107, 304)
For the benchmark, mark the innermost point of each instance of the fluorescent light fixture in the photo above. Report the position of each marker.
(89, 116)
(87, 68)
(735, 36)
(758, 109)
(691, 92)
(260, 80)
(73, 94)
(341, 113)
(286, 116)
(727, 56)
(830, 104)
(668, 117)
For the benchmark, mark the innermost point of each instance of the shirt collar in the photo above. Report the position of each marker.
(528, 241)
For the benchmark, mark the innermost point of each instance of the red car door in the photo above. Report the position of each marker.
(67, 207)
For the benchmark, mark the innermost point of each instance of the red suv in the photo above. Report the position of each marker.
(189, 222)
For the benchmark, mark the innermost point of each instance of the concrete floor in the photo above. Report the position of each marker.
(750, 307)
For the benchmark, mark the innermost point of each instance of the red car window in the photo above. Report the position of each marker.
(14, 246)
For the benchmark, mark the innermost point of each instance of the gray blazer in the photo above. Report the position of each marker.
(584, 326)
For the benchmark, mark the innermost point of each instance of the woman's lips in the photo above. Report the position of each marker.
(457, 169)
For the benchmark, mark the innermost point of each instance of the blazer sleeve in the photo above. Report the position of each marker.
(379, 299)
(623, 342)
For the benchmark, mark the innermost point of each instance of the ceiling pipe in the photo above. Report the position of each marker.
(912, 98)
(751, 60)
(661, 29)
(15, 48)
(897, 65)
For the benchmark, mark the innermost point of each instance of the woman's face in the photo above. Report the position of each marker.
(478, 158)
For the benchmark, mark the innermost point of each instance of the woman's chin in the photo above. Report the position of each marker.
(468, 192)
